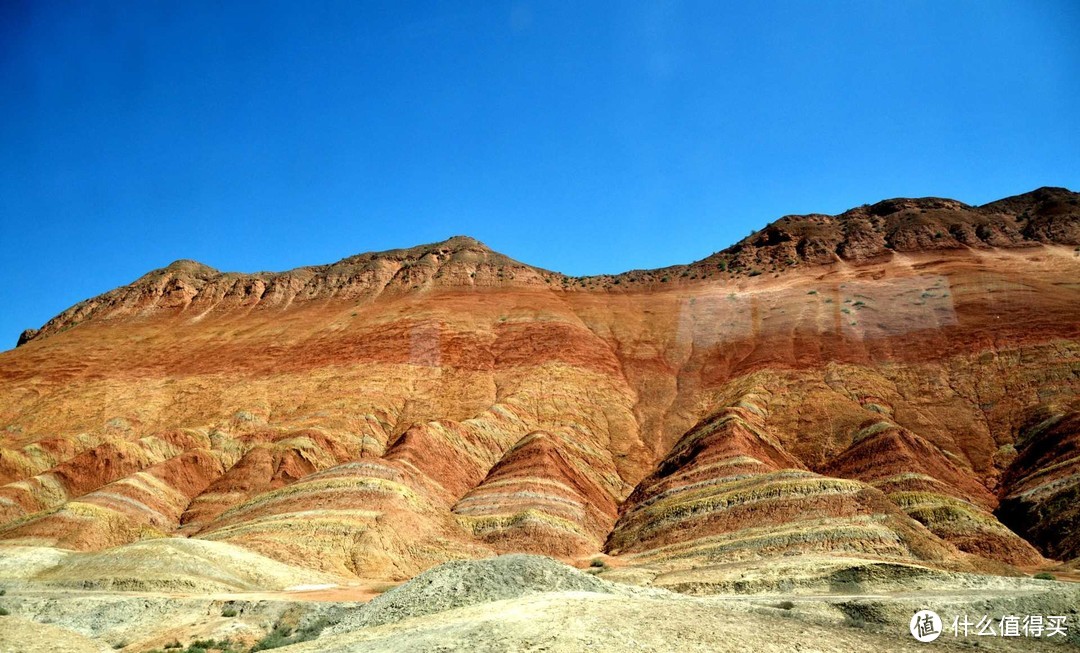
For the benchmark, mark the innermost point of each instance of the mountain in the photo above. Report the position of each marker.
(898, 382)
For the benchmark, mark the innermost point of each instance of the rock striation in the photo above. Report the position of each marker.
(895, 383)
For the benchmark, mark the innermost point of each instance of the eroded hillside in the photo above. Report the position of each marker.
(898, 382)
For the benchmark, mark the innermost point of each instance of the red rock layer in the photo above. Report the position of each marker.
(934, 490)
(1042, 486)
(728, 491)
(552, 493)
(848, 384)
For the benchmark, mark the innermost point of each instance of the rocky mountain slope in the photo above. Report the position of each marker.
(898, 382)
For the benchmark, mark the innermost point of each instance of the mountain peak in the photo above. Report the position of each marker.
(873, 231)
(1046, 215)
(463, 241)
(454, 247)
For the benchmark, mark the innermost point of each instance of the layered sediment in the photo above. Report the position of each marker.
(897, 382)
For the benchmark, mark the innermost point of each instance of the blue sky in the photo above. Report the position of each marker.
(581, 137)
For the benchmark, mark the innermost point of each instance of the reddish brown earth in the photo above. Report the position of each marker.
(896, 382)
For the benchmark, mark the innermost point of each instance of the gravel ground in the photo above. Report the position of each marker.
(578, 622)
(471, 582)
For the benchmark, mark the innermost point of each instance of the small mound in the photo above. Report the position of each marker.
(471, 582)
(26, 636)
(175, 564)
(25, 562)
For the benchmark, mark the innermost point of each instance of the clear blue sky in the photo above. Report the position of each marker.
(581, 137)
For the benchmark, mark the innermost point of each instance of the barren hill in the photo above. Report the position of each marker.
(898, 382)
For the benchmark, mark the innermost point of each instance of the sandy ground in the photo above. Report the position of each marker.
(18, 635)
(583, 622)
(505, 604)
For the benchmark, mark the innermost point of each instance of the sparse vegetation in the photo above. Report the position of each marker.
(278, 637)
(812, 292)
(4, 612)
(228, 612)
(283, 635)
(598, 563)
(200, 646)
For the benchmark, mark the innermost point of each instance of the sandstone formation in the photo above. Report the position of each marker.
(1042, 485)
(895, 383)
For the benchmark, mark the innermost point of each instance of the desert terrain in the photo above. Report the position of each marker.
(795, 443)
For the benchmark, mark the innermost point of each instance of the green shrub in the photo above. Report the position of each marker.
(4, 612)
(1043, 575)
(276, 638)
(283, 635)
(312, 630)
(597, 562)
(173, 644)
(228, 612)
(205, 645)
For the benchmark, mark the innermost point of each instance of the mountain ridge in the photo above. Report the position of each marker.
(1047, 215)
